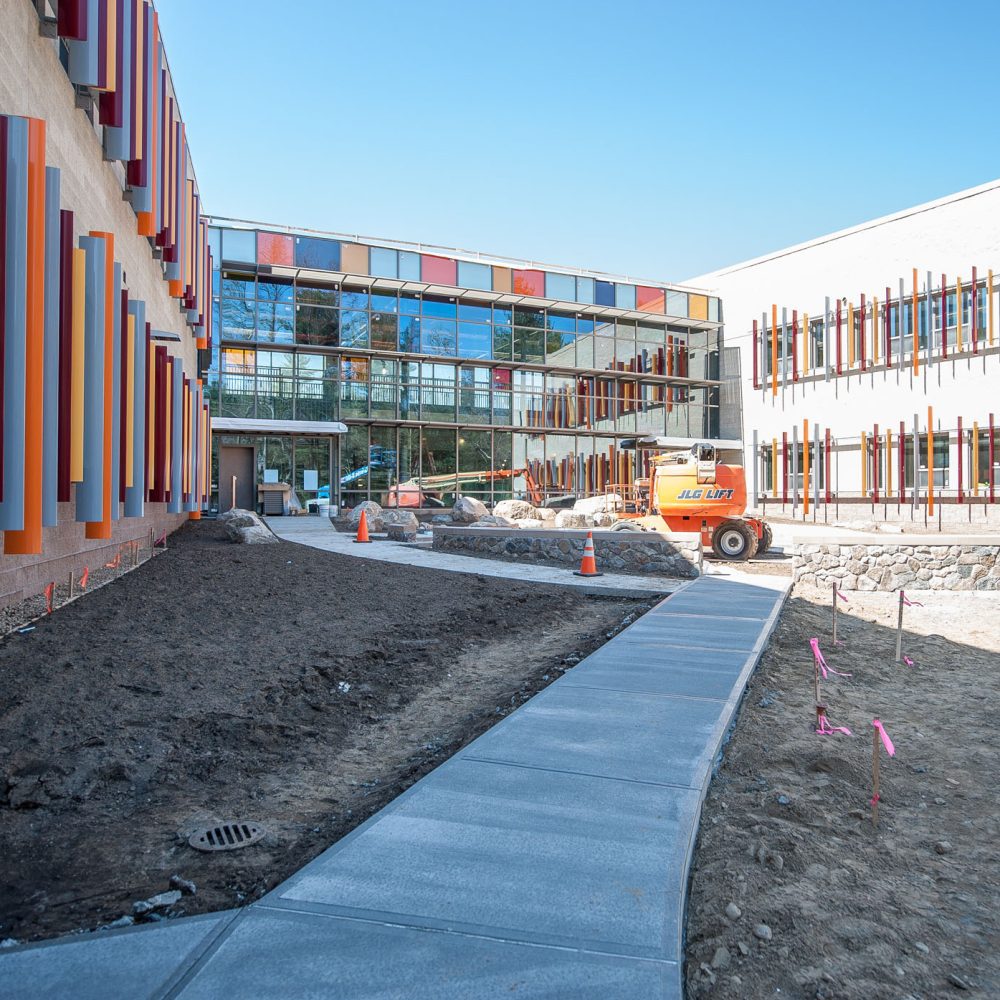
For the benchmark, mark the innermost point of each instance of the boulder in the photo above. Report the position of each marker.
(442, 519)
(494, 521)
(546, 514)
(514, 510)
(254, 534)
(404, 519)
(530, 524)
(239, 517)
(591, 505)
(468, 510)
(373, 513)
(573, 519)
(604, 520)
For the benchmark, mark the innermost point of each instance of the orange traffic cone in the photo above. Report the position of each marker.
(363, 528)
(588, 565)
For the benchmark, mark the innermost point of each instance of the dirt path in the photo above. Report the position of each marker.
(906, 911)
(280, 684)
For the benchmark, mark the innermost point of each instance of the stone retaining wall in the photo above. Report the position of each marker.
(616, 551)
(914, 562)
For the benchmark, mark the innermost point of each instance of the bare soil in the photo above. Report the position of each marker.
(298, 689)
(907, 910)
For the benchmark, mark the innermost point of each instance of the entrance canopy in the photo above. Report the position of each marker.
(301, 428)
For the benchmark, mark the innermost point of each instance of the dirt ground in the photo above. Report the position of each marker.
(908, 910)
(298, 689)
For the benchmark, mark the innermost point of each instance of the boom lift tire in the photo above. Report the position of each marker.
(734, 541)
(626, 526)
(764, 543)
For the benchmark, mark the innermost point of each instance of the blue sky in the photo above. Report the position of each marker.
(660, 140)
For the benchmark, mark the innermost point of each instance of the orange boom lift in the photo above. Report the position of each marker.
(689, 489)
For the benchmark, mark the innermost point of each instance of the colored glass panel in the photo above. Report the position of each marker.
(438, 270)
(383, 263)
(273, 248)
(472, 275)
(650, 299)
(317, 254)
(528, 282)
(677, 304)
(501, 279)
(560, 286)
(698, 306)
(604, 293)
(353, 258)
(585, 290)
(409, 265)
(625, 296)
(239, 246)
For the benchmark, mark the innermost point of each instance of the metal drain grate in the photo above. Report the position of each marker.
(226, 836)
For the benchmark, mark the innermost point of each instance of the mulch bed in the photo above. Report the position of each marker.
(279, 684)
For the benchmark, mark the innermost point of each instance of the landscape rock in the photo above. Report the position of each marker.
(602, 520)
(591, 505)
(442, 519)
(733, 911)
(494, 521)
(162, 900)
(240, 517)
(515, 510)
(404, 519)
(546, 514)
(186, 886)
(468, 510)
(943, 847)
(721, 958)
(573, 519)
(254, 534)
(762, 932)
(373, 515)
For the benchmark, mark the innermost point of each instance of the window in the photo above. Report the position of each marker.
(585, 290)
(473, 340)
(409, 334)
(317, 295)
(354, 328)
(942, 459)
(316, 325)
(440, 308)
(384, 331)
(353, 299)
(650, 299)
(275, 322)
(438, 336)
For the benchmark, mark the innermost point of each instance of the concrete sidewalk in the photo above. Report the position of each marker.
(549, 858)
(319, 533)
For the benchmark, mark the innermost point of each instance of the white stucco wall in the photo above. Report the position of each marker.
(947, 236)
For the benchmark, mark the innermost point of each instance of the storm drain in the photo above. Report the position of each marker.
(226, 836)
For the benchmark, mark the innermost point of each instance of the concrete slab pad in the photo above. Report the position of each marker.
(310, 955)
(613, 734)
(657, 669)
(108, 965)
(694, 631)
(518, 853)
